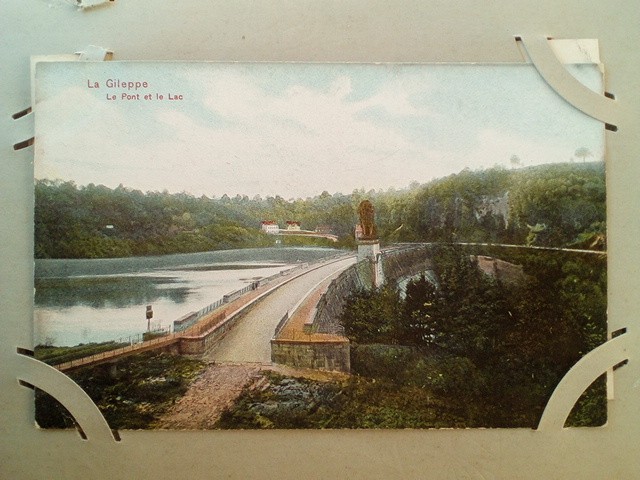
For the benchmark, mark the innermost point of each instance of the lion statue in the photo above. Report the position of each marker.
(367, 223)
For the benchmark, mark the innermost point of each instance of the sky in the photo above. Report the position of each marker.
(296, 130)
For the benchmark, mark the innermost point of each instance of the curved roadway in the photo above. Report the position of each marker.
(250, 339)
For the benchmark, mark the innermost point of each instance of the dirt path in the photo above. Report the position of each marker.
(218, 387)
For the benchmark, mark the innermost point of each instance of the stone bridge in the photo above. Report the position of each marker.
(398, 263)
(310, 336)
(303, 309)
(292, 320)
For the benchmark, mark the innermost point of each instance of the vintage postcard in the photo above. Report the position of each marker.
(288, 245)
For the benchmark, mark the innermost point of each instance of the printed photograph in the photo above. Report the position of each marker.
(316, 246)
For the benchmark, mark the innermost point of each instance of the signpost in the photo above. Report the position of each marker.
(149, 317)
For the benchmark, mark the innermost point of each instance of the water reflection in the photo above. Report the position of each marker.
(48, 268)
(82, 301)
(108, 291)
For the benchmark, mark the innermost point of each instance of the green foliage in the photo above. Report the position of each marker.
(436, 370)
(593, 238)
(56, 355)
(467, 352)
(354, 403)
(141, 389)
(497, 205)
(566, 198)
(419, 313)
(451, 208)
(591, 408)
(497, 350)
(50, 413)
(381, 361)
(373, 316)
(494, 205)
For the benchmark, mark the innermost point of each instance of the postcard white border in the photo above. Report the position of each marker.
(359, 31)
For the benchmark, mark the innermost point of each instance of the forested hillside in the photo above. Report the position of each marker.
(554, 205)
(551, 205)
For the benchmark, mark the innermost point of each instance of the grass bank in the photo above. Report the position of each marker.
(131, 394)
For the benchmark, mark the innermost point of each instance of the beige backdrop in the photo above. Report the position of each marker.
(342, 31)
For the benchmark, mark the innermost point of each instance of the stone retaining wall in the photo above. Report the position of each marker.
(331, 355)
(330, 305)
(407, 262)
(185, 321)
(396, 265)
(203, 340)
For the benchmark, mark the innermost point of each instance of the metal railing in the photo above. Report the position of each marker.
(231, 296)
(212, 306)
(135, 342)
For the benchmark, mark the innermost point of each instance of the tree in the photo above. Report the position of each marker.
(420, 316)
(515, 161)
(373, 316)
(583, 152)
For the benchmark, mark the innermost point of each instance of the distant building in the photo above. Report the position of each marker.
(293, 225)
(270, 227)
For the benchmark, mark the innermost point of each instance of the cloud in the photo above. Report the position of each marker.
(296, 133)
(303, 140)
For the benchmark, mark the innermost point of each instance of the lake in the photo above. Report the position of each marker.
(82, 301)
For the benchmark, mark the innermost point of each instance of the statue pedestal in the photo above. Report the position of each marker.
(370, 250)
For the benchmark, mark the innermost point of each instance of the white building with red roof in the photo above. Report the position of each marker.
(270, 227)
(292, 225)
